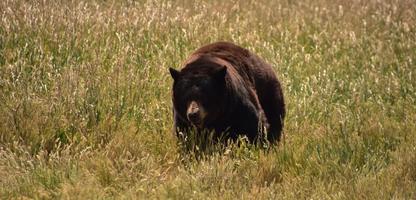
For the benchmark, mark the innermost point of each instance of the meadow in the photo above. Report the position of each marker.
(85, 99)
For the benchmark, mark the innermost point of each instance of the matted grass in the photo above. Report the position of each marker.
(86, 112)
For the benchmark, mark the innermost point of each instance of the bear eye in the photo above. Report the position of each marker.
(183, 85)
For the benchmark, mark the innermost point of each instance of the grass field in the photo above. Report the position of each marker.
(85, 109)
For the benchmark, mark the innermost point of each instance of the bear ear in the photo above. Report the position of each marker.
(220, 73)
(174, 73)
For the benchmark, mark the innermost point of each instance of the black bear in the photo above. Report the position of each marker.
(227, 90)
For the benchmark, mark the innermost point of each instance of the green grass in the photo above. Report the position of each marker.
(85, 109)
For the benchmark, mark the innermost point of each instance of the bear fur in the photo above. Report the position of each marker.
(227, 90)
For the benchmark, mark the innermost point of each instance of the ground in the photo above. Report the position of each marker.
(86, 110)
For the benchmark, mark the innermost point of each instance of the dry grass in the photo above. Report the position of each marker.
(86, 112)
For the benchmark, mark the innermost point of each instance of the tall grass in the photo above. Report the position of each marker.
(86, 111)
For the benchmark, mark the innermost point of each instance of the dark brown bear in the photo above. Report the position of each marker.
(227, 90)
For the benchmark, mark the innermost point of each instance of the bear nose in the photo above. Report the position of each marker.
(194, 116)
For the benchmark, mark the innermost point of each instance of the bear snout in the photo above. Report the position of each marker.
(195, 113)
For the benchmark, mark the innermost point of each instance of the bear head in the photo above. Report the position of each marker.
(199, 90)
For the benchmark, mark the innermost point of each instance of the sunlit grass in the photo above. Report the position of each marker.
(86, 112)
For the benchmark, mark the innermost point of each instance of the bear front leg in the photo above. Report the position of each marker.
(180, 125)
(246, 122)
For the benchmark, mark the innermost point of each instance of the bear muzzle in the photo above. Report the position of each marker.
(195, 114)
